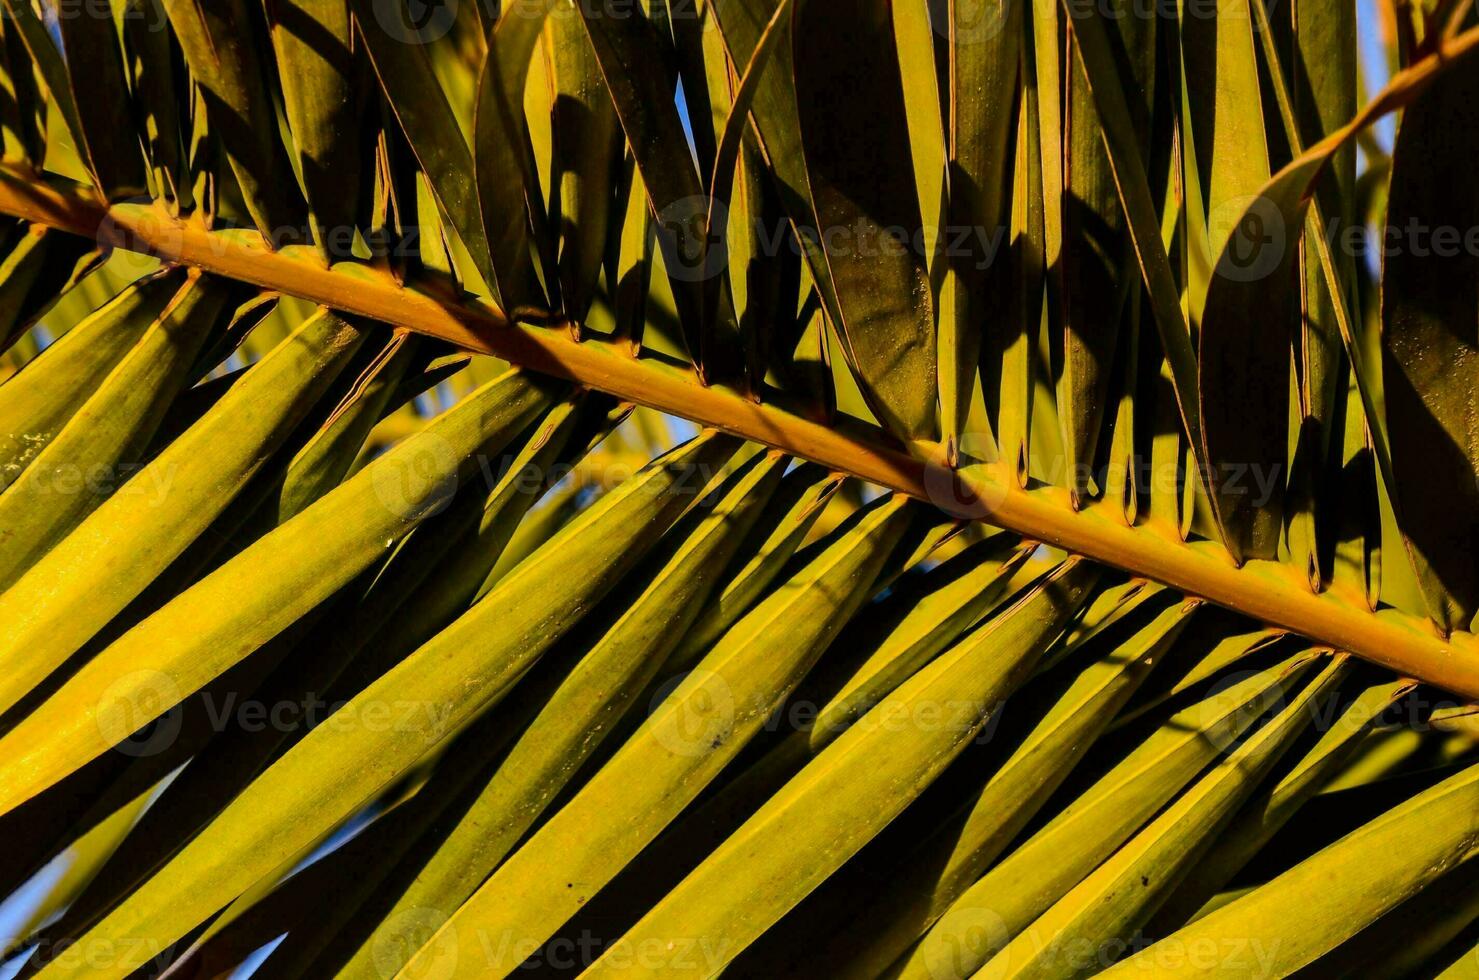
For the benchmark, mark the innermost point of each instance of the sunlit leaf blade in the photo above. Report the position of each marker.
(878, 651)
(1118, 897)
(1095, 275)
(1093, 826)
(479, 657)
(149, 60)
(1243, 357)
(1267, 812)
(1430, 353)
(614, 670)
(403, 64)
(226, 62)
(103, 444)
(587, 142)
(629, 53)
(118, 550)
(793, 511)
(315, 60)
(25, 22)
(455, 557)
(1324, 36)
(881, 925)
(857, 161)
(1307, 910)
(36, 404)
(208, 628)
(93, 53)
(507, 184)
(854, 787)
(985, 40)
(1095, 59)
(681, 747)
(42, 263)
(1255, 272)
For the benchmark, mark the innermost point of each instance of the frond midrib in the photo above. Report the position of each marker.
(1266, 591)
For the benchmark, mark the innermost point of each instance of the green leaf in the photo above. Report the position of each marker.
(986, 43)
(881, 924)
(36, 404)
(93, 53)
(1095, 59)
(632, 60)
(856, 786)
(1243, 354)
(1309, 909)
(878, 651)
(28, 25)
(1061, 854)
(41, 264)
(613, 671)
(148, 57)
(1267, 812)
(1430, 363)
(327, 456)
(316, 65)
(102, 445)
(220, 44)
(510, 207)
(681, 747)
(128, 540)
(23, 119)
(229, 614)
(348, 646)
(1323, 42)
(1095, 275)
(402, 60)
(587, 159)
(454, 558)
(410, 710)
(898, 636)
(791, 514)
(1121, 894)
(866, 208)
